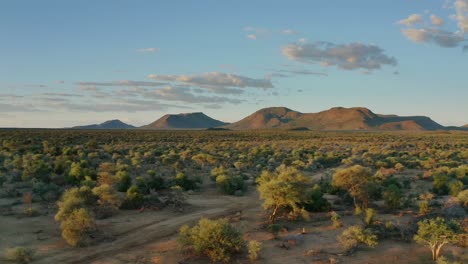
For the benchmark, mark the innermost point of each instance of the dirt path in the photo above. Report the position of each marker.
(146, 234)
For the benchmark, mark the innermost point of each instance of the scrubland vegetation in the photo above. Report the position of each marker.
(240, 197)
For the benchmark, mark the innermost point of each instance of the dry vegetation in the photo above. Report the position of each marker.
(264, 197)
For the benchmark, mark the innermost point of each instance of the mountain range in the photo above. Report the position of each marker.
(111, 124)
(185, 121)
(337, 118)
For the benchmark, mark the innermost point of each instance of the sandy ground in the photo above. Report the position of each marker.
(150, 236)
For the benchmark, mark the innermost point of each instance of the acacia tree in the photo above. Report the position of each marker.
(283, 189)
(357, 180)
(436, 233)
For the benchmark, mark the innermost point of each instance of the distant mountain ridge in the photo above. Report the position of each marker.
(196, 120)
(337, 118)
(110, 124)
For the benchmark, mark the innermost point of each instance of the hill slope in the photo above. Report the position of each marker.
(266, 118)
(111, 124)
(184, 121)
(337, 118)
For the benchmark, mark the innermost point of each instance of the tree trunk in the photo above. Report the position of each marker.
(273, 215)
(433, 250)
(438, 249)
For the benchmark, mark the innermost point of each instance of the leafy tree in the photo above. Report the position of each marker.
(355, 235)
(357, 181)
(73, 199)
(283, 189)
(436, 233)
(216, 239)
(77, 227)
(392, 196)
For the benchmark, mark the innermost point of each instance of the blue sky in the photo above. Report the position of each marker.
(66, 63)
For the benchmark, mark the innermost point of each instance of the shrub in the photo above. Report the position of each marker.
(463, 198)
(216, 239)
(315, 201)
(77, 228)
(335, 218)
(134, 198)
(274, 229)
(19, 255)
(124, 181)
(230, 184)
(254, 247)
(73, 199)
(455, 187)
(392, 197)
(186, 182)
(369, 216)
(46, 191)
(355, 235)
(108, 201)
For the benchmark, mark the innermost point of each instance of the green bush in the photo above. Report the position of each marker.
(230, 184)
(216, 239)
(455, 187)
(315, 201)
(335, 218)
(19, 255)
(124, 181)
(73, 199)
(254, 247)
(369, 216)
(392, 197)
(187, 183)
(355, 235)
(134, 198)
(77, 228)
(463, 198)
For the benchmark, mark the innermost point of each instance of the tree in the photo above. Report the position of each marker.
(108, 201)
(284, 189)
(355, 235)
(357, 180)
(77, 227)
(392, 196)
(217, 239)
(436, 233)
(73, 199)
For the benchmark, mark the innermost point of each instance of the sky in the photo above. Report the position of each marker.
(68, 63)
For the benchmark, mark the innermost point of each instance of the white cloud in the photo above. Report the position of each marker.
(289, 32)
(436, 21)
(148, 50)
(411, 20)
(345, 56)
(252, 36)
(461, 7)
(122, 83)
(217, 82)
(442, 38)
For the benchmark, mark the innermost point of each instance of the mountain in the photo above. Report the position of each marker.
(266, 118)
(111, 124)
(337, 118)
(185, 121)
(465, 126)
